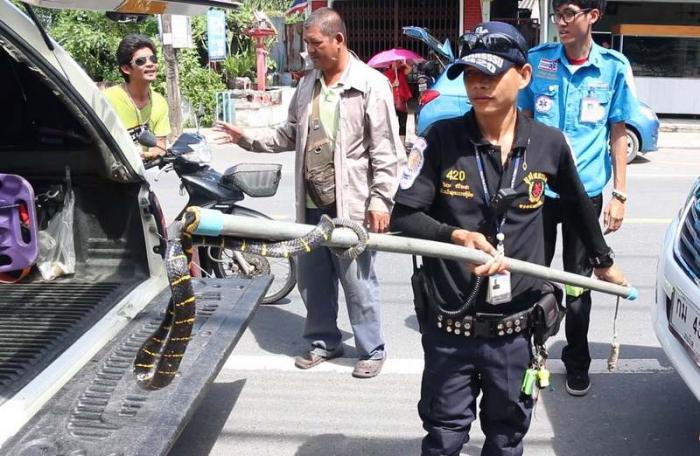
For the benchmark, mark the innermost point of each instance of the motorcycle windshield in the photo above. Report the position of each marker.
(192, 147)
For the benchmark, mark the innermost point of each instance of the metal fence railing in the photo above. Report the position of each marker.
(225, 106)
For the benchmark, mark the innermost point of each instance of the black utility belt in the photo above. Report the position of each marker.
(485, 325)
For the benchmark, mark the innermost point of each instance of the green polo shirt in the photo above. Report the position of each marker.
(329, 107)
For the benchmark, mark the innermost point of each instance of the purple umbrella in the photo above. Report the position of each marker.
(384, 58)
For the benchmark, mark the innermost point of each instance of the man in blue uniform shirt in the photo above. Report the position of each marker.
(587, 92)
(478, 181)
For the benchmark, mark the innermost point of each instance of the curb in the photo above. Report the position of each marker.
(679, 127)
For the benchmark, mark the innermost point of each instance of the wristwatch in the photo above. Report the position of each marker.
(603, 261)
(620, 196)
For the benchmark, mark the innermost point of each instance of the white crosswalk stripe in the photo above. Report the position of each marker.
(280, 363)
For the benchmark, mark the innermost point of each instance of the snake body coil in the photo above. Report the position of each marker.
(283, 249)
(158, 359)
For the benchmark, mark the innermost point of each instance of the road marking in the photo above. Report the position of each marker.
(281, 363)
(647, 221)
(662, 176)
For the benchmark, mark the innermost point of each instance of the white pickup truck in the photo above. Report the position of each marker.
(67, 346)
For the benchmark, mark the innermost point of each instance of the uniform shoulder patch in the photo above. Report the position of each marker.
(543, 47)
(414, 163)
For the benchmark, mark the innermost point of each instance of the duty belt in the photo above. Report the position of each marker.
(485, 325)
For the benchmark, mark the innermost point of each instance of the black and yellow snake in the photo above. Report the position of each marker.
(158, 359)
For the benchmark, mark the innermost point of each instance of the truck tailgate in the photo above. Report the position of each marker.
(102, 411)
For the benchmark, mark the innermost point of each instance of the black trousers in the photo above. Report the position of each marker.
(576, 259)
(456, 371)
(403, 118)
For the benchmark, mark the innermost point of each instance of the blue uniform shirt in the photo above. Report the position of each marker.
(582, 104)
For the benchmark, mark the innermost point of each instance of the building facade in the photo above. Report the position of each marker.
(375, 25)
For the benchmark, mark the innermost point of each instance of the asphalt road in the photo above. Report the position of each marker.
(261, 405)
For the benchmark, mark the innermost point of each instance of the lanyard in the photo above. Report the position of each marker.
(487, 194)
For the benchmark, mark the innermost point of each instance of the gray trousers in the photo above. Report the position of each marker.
(318, 274)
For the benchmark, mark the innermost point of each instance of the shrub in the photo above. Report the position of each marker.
(92, 40)
(198, 84)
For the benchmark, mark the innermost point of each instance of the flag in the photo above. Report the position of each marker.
(297, 6)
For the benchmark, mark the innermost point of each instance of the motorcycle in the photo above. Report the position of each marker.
(188, 157)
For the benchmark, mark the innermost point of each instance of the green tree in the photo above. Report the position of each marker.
(198, 84)
(92, 40)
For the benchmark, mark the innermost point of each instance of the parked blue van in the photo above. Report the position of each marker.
(448, 98)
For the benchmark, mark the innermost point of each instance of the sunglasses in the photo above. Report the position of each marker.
(141, 61)
(494, 42)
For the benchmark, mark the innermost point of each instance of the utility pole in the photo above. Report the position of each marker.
(171, 77)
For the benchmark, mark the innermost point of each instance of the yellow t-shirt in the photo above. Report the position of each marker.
(153, 116)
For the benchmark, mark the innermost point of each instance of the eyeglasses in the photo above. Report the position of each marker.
(141, 61)
(568, 16)
(495, 42)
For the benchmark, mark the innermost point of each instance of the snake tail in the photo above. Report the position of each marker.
(158, 359)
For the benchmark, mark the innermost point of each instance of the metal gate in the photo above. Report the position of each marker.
(375, 25)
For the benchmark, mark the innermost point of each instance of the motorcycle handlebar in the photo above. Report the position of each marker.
(159, 161)
(153, 163)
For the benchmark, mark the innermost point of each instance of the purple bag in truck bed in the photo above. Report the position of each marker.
(18, 250)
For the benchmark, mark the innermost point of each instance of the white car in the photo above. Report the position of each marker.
(676, 315)
(68, 345)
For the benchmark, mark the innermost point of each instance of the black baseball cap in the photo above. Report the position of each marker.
(492, 48)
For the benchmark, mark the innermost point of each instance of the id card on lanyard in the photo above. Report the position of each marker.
(499, 289)
(592, 111)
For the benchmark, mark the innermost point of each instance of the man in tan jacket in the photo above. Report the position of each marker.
(349, 156)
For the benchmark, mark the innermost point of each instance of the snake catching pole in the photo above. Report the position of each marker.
(215, 223)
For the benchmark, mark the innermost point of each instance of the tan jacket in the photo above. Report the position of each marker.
(368, 156)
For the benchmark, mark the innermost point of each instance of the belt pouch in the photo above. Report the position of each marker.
(548, 313)
(319, 167)
(420, 303)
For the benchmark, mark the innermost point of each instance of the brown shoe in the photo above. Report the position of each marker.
(313, 358)
(368, 368)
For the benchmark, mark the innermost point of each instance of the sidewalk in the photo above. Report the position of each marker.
(272, 116)
(680, 125)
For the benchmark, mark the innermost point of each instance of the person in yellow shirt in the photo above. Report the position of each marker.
(136, 103)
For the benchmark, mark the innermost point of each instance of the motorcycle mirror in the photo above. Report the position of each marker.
(148, 139)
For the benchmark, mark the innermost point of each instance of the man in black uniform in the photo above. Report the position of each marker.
(478, 181)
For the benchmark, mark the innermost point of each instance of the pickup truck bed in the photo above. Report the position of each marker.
(38, 321)
(102, 411)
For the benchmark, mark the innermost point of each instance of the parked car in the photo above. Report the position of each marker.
(676, 313)
(448, 98)
(67, 345)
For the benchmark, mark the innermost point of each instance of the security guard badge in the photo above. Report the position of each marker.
(543, 104)
(536, 183)
(414, 164)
